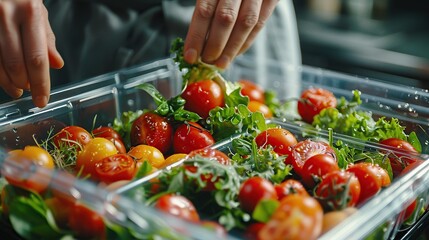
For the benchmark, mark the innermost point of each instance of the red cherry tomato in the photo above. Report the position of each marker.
(253, 190)
(369, 178)
(316, 167)
(288, 187)
(178, 206)
(280, 139)
(338, 190)
(71, 136)
(85, 223)
(252, 90)
(115, 168)
(303, 150)
(33, 179)
(399, 160)
(314, 100)
(153, 130)
(409, 210)
(203, 96)
(297, 217)
(190, 137)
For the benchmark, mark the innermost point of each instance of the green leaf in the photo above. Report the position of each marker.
(415, 142)
(265, 209)
(235, 98)
(144, 170)
(153, 92)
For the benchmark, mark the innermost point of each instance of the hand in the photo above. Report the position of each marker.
(222, 29)
(27, 49)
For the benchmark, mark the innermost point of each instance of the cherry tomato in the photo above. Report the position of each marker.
(142, 153)
(303, 150)
(174, 158)
(153, 130)
(95, 150)
(178, 206)
(253, 190)
(409, 210)
(399, 160)
(60, 209)
(280, 139)
(190, 137)
(255, 106)
(252, 90)
(314, 100)
(369, 179)
(203, 96)
(288, 187)
(338, 190)
(297, 217)
(112, 135)
(316, 167)
(115, 168)
(86, 223)
(33, 179)
(72, 136)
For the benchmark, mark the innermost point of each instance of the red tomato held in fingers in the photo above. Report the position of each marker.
(203, 96)
(303, 150)
(86, 223)
(94, 151)
(178, 206)
(280, 139)
(338, 190)
(316, 167)
(71, 136)
(33, 179)
(254, 190)
(115, 168)
(399, 160)
(369, 178)
(298, 217)
(289, 187)
(190, 137)
(252, 90)
(314, 100)
(153, 130)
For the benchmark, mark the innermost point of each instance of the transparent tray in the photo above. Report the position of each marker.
(108, 95)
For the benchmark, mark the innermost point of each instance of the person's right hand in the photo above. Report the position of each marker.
(27, 49)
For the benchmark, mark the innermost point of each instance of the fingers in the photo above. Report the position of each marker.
(55, 59)
(35, 48)
(7, 85)
(222, 29)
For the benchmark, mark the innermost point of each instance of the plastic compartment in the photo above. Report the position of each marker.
(107, 96)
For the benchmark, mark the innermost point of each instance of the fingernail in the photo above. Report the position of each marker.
(41, 101)
(223, 62)
(191, 55)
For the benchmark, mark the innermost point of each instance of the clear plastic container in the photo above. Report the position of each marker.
(106, 97)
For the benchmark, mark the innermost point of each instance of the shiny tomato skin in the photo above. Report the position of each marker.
(288, 187)
(253, 190)
(297, 217)
(85, 223)
(190, 137)
(369, 179)
(255, 106)
(142, 152)
(280, 139)
(115, 168)
(203, 96)
(303, 150)
(252, 90)
(153, 130)
(178, 206)
(71, 135)
(409, 210)
(314, 100)
(399, 160)
(112, 135)
(34, 179)
(174, 158)
(95, 150)
(316, 167)
(332, 190)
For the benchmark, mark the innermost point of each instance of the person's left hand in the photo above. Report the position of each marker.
(222, 29)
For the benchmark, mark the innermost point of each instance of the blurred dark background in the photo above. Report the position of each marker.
(380, 39)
